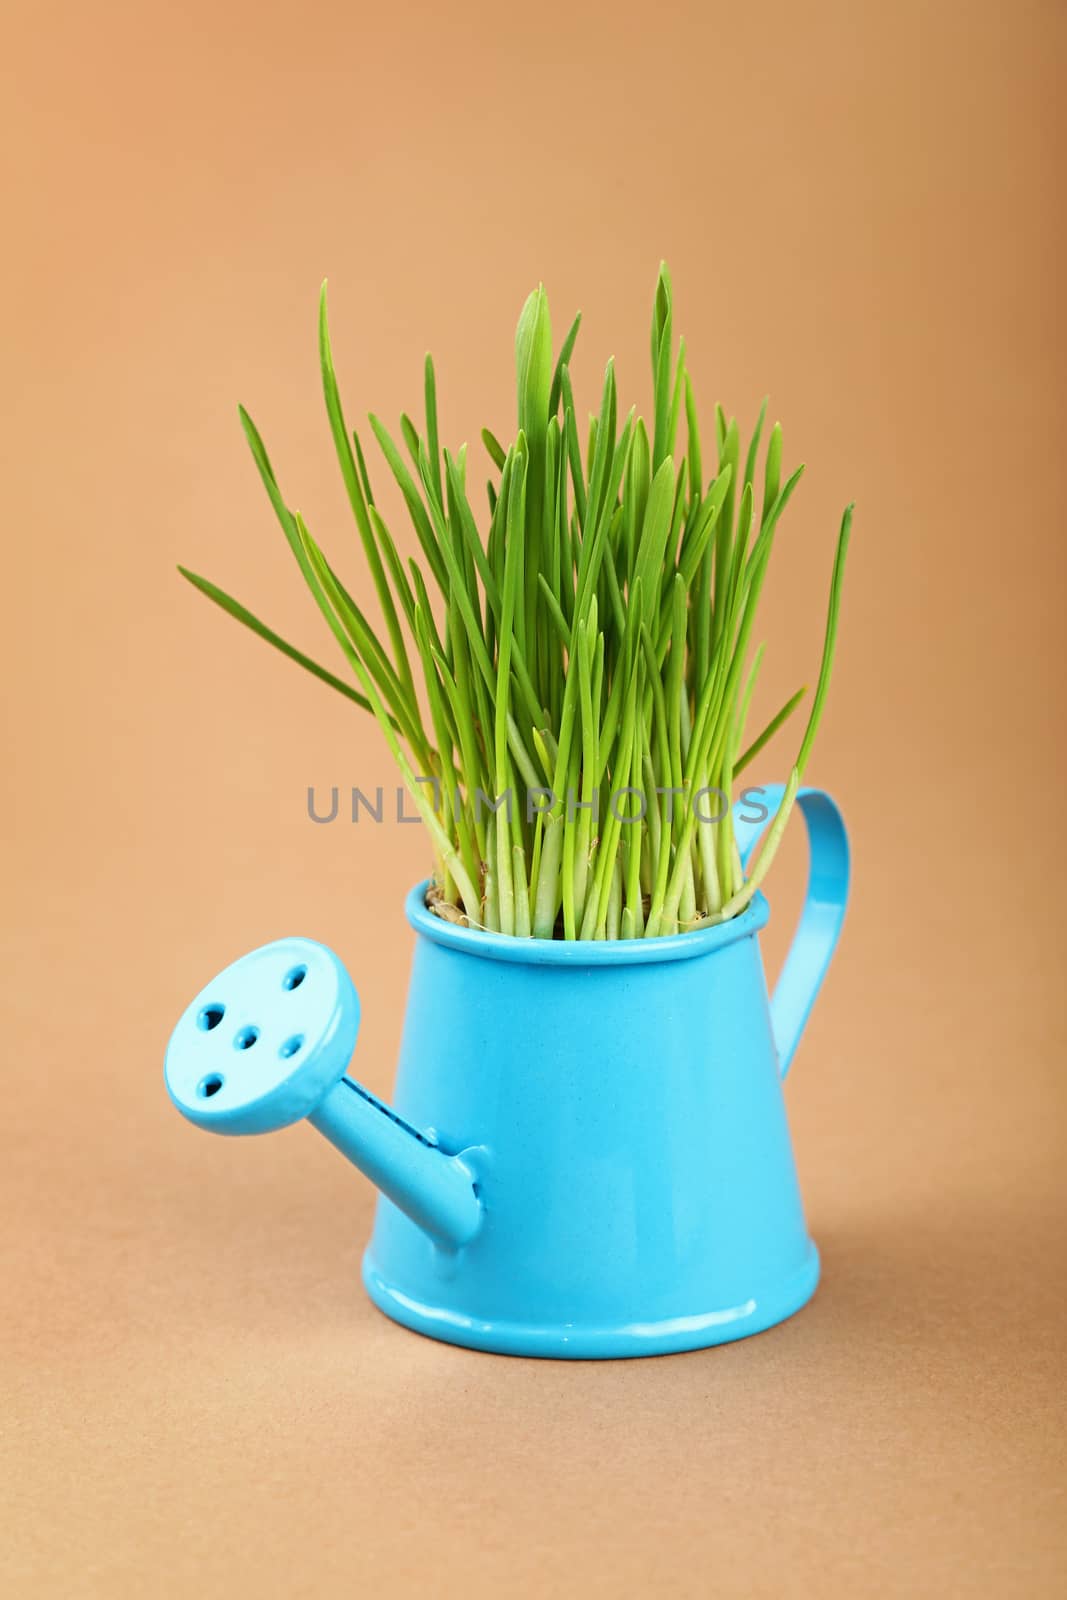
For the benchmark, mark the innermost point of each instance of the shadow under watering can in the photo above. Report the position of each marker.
(588, 1155)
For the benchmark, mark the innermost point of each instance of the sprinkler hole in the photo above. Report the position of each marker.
(294, 977)
(291, 1046)
(209, 1086)
(246, 1039)
(210, 1017)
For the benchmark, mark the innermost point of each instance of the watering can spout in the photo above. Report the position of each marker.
(267, 1042)
(437, 1191)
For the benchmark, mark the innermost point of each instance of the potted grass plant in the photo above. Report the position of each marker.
(586, 663)
(564, 679)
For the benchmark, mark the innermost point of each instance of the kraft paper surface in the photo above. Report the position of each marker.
(859, 208)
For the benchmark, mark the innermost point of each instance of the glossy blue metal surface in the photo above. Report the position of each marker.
(267, 1042)
(264, 1040)
(435, 1191)
(821, 917)
(589, 1154)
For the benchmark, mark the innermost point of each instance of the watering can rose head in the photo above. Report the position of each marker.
(589, 638)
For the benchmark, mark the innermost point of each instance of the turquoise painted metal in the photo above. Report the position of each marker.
(589, 1154)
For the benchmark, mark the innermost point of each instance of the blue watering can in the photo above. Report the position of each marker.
(588, 1154)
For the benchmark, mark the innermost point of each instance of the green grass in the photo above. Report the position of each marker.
(594, 635)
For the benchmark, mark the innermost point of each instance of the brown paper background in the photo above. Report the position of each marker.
(859, 204)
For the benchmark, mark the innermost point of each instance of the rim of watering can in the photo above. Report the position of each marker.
(581, 952)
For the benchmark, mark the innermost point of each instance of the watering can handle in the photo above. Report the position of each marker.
(824, 906)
